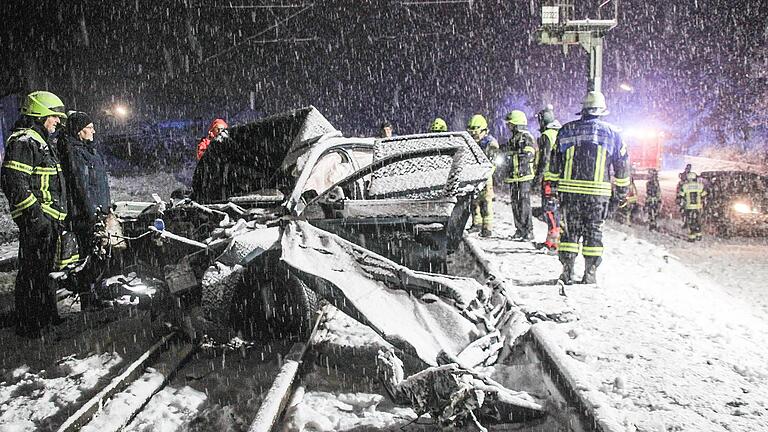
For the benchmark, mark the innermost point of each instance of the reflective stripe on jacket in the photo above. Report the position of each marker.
(31, 176)
(521, 153)
(546, 143)
(587, 152)
(692, 192)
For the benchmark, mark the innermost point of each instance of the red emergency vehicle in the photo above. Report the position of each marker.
(645, 148)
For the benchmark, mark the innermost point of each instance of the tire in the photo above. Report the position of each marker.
(273, 305)
(298, 309)
(263, 301)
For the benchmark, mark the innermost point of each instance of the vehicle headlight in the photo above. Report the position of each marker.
(742, 207)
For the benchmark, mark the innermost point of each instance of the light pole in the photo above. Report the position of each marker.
(559, 28)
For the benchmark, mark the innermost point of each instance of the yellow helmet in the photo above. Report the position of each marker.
(438, 125)
(517, 118)
(43, 104)
(477, 123)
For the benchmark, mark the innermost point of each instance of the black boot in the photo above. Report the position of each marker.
(590, 270)
(566, 276)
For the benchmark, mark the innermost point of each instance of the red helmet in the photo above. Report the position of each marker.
(216, 125)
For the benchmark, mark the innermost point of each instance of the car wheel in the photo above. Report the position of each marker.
(296, 309)
(273, 305)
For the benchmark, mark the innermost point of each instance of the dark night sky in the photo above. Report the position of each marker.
(359, 62)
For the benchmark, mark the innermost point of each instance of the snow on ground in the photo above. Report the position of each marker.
(667, 346)
(169, 410)
(317, 410)
(118, 410)
(324, 411)
(140, 188)
(28, 398)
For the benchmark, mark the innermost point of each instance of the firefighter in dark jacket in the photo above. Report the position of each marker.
(85, 172)
(691, 202)
(683, 176)
(652, 199)
(520, 154)
(31, 180)
(548, 126)
(586, 152)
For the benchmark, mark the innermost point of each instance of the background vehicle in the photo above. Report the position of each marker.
(737, 202)
(645, 150)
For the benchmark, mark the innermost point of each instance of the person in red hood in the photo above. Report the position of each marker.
(216, 132)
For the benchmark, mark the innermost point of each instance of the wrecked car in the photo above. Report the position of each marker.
(404, 198)
(288, 211)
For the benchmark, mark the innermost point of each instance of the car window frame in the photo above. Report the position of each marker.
(370, 169)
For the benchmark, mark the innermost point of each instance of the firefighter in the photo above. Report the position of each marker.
(520, 154)
(586, 152)
(629, 207)
(482, 206)
(691, 200)
(548, 127)
(683, 178)
(438, 125)
(216, 132)
(652, 199)
(31, 180)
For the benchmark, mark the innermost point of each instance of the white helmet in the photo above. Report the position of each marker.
(594, 104)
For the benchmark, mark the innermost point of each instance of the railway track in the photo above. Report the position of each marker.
(173, 361)
(252, 385)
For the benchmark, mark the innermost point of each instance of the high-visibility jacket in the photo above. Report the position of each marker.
(586, 152)
(31, 176)
(490, 146)
(692, 194)
(545, 143)
(520, 152)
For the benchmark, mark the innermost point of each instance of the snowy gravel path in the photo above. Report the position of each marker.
(668, 346)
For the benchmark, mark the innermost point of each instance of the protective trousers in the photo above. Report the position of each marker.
(652, 209)
(482, 207)
(35, 292)
(694, 224)
(520, 196)
(584, 219)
